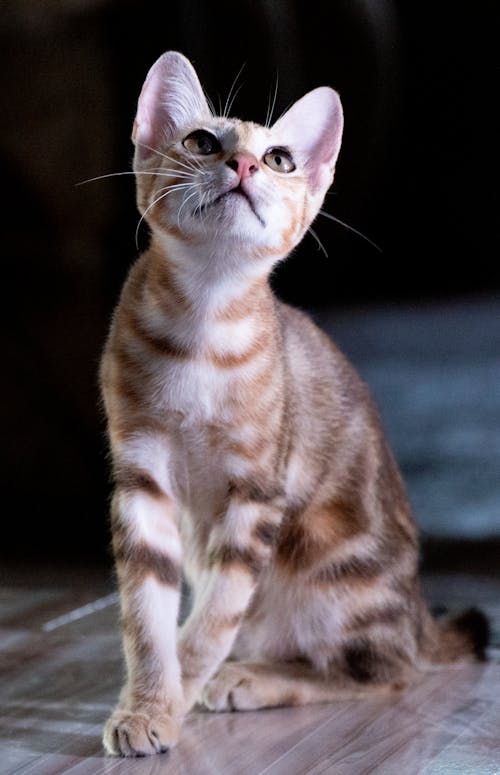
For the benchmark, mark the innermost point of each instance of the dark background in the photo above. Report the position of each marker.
(417, 174)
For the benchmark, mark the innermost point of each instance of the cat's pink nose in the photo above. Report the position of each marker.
(245, 164)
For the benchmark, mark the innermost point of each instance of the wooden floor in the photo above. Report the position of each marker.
(61, 672)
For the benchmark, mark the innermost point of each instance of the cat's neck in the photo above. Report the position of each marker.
(200, 311)
(201, 282)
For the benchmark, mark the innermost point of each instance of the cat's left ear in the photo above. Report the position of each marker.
(171, 99)
(312, 129)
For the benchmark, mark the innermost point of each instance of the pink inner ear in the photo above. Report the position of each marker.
(324, 154)
(149, 118)
(313, 126)
(171, 98)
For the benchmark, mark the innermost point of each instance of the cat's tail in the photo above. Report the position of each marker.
(458, 638)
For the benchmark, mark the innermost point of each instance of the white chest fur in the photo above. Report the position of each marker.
(196, 389)
(213, 369)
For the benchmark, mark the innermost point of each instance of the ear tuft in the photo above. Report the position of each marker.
(312, 127)
(172, 98)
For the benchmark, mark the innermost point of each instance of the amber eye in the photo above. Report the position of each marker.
(280, 160)
(202, 142)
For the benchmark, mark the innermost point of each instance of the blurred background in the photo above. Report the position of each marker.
(416, 175)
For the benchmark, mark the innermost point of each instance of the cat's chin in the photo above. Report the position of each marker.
(232, 216)
(232, 204)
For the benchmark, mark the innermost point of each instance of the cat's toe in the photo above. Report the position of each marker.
(139, 734)
(230, 689)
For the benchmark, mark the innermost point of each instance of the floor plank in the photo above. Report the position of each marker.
(59, 683)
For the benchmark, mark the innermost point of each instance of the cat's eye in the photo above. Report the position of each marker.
(202, 142)
(279, 160)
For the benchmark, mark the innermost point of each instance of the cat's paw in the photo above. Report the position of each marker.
(233, 687)
(139, 734)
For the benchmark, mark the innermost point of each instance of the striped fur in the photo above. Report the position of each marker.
(247, 452)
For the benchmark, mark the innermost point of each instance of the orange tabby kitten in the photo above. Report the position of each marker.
(247, 453)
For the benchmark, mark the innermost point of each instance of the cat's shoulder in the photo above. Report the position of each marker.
(315, 358)
(298, 327)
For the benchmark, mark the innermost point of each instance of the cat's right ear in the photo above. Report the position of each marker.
(171, 99)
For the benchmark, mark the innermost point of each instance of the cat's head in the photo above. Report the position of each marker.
(210, 180)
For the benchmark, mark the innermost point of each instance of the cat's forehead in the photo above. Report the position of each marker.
(233, 133)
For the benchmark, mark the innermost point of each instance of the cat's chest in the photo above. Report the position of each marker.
(196, 457)
(209, 380)
(193, 389)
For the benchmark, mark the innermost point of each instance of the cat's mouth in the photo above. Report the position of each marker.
(236, 191)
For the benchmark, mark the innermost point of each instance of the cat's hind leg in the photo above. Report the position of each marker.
(253, 685)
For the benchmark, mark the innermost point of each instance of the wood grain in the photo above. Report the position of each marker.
(58, 686)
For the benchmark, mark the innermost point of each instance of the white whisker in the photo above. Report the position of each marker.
(205, 203)
(271, 104)
(199, 207)
(192, 164)
(351, 228)
(237, 91)
(203, 210)
(232, 94)
(102, 177)
(189, 167)
(179, 173)
(196, 161)
(320, 244)
(158, 199)
(165, 173)
(210, 104)
(176, 187)
(185, 200)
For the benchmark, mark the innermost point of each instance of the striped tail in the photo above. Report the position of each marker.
(462, 637)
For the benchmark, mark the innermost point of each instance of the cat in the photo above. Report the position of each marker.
(248, 456)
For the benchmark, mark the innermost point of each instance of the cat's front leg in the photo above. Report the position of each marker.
(147, 551)
(240, 546)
